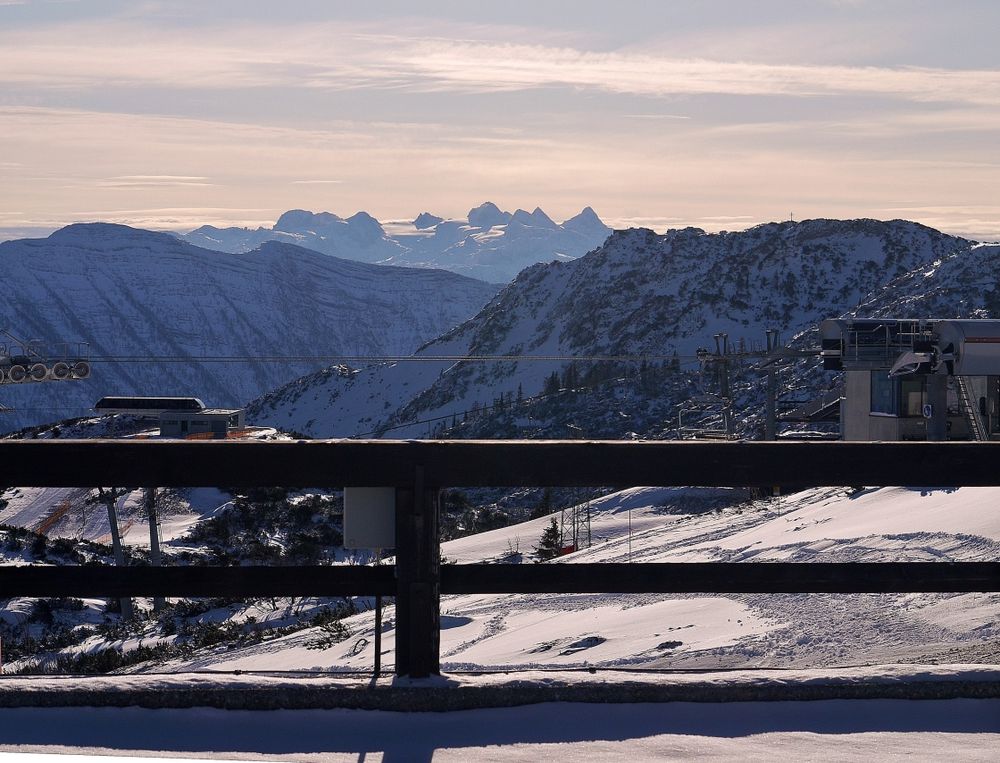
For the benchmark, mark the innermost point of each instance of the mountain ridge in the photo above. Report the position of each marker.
(489, 244)
(133, 293)
(641, 294)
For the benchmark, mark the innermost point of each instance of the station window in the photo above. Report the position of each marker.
(901, 396)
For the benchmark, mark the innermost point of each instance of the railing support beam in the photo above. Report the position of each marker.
(418, 580)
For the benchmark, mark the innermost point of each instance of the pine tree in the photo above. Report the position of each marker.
(550, 544)
(544, 505)
(571, 379)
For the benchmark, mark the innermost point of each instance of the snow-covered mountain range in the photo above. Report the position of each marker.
(490, 244)
(131, 292)
(358, 237)
(648, 295)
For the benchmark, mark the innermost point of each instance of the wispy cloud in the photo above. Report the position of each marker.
(483, 66)
(337, 57)
(655, 116)
(155, 181)
(316, 182)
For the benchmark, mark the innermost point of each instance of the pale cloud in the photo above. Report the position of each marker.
(155, 181)
(655, 116)
(338, 57)
(482, 66)
(316, 182)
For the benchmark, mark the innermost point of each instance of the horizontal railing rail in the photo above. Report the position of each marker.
(645, 577)
(503, 463)
(196, 582)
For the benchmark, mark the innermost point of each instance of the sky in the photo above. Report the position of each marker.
(715, 113)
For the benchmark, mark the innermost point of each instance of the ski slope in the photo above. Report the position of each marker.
(704, 631)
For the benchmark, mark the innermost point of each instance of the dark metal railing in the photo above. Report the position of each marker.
(419, 469)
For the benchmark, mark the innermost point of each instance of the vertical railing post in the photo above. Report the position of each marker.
(418, 575)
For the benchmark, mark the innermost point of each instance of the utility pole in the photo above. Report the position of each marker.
(109, 498)
(773, 356)
(771, 394)
(155, 558)
(770, 405)
(722, 356)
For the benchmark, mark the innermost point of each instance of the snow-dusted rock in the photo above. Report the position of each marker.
(643, 294)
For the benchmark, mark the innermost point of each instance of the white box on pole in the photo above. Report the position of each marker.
(369, 517)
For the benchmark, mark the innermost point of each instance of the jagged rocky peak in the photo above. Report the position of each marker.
(541, 220)
(535, 219)
(488, 214)
(488, 247)
(586, 222)
(426, 220)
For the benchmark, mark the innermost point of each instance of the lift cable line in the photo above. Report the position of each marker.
(389, 358)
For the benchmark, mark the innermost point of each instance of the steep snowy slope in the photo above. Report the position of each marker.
(641, 294)
(490, 244)
(130, 292)
(963, 284)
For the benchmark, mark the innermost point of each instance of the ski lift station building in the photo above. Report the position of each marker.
(178, 416)
(916, 379)
(214, 421)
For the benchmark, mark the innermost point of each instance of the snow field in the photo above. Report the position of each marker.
(703, 631)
